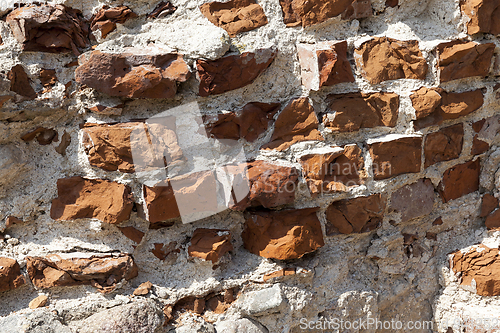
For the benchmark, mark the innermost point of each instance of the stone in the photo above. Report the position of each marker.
(164, 251)
(382, 59)
(485, 131)
(232, 72)
(395, 155)
(296, 123)
(324, 64)
(101, 271)
(141, 316)
(444, 145)
(438, 221)
(488, 205)
(130, 146)
(391, 3)
(235, 16)
(460, 59)
(492, 222)
(283, 235)
(413, 200)
(434, 106)
(268, 185)
(40, 321)
(114, 110)
(242, 325)
(12, 164)
(143, 289)
(44, 136)
(261, 302)
(10, 274)
(132, 234)
(38, 302)
(49, 28)
(20, 83)
(279, 274)
(307, 13)
(106, 18)
(480, 266)
(483, 16)
(248, 123)
(358, 215)
(79, 198)
(460, 180)
(353, 111)
(210, 244)
(334, 171)
(11, 220)
(190, 196)
(133, 73)
(163, 9)
(48, 78)
(65, 142)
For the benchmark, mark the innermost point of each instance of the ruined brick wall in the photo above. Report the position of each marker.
(249, 166)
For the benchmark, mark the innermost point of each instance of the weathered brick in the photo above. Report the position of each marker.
(232, 72)
(483, 16)
(80, 198)
(210, 244)
(382, 59)
(283, 235)
(413, 200)
(460, 180)
(444, 145)
(353, 111)
(434, 106)
(394, 155)
(296, 123)
(235, 16)
(333, 171)
(324, 64)
(357, 215)
(488, 205)
(485, 131)
(10, 274)
(460, 59)
(106, 18)
(20, 83)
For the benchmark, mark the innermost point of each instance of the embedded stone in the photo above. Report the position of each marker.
(10, 274)
(391, 3)
(324, 64)
(395, 155)
(434, 106)
(493, 221)
(181, 196)
(232, 72)
(460, 59)
(101, 271)
(132, 234)
(444, 145)
(130, 146)
(334, 171)
(307, 13)
(111, 110)
(44, 136)
(106, 18)
(358, 215)
(479, 267)
(413, 200)
(164, 251)
(279, 274)
(143, 289)
(64, 144)
(163, 9)
(260, 302)
(11, 220)
(296, 123)
(489, 204)
(248, 123)
(48, 78)
(485, 132)
(460, 180)
(38, 302)
(382, 59)
(133, 74)
(353, 111)
(235, 16)
(483, 16)
(49, 28)
(268, 185)
(20, 83)
(80, 198)
(210, 244)
(283, 235)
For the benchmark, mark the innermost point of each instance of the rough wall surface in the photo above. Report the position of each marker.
(358, 143)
